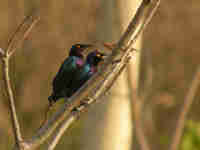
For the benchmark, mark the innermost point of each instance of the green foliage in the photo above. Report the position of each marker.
(191, 137)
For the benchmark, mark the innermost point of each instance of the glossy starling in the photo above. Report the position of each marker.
(85, 73)
(63, 79)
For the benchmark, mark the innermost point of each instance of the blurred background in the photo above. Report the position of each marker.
(168, 58)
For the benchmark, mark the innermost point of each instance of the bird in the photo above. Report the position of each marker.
(87, 70)
(64, 77)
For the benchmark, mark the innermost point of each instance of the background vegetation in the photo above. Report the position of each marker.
(170, 50)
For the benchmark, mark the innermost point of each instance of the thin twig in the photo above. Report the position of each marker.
(13, 37)
(136, 103)
(12, 46)
(2, 53)
(21, 33)
(14, 119)
(185, 109)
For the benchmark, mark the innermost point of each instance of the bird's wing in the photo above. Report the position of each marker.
(81, 76)
(64, 75)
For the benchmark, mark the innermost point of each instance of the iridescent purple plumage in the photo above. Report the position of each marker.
(87, 71)
(65, 76)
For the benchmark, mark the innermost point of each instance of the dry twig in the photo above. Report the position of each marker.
(2, 53)
(21, 33)
(12, 46)
(136, 103)
(185, 109)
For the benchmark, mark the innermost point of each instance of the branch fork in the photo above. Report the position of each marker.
(96, 87)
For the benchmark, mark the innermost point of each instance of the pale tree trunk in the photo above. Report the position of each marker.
(109, 124)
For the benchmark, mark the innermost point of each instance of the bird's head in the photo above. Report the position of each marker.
(95, 57)
(77, 49)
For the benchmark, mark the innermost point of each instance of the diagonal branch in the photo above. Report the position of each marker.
(111, 76)
(74, 115)
(12, 46)
(95, 87)
(62, 127)
(185, 109)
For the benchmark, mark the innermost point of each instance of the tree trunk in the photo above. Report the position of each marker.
(109, 124)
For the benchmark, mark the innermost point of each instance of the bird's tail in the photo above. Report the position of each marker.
(51, 101)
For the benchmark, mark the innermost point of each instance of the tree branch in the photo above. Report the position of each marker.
(12, 46)
(2, 53)
(83, 93)
(94, 88)
(21, 33)
(136, 103)
(185, 109)
(15, 123)
(74, 115)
